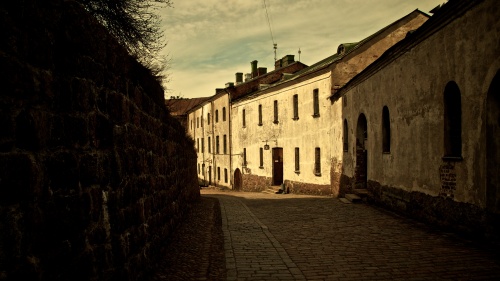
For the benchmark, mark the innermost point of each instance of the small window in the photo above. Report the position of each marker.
(244, 157)
(452, 122)
(260, 114)
(317, 161)
(197, 122)
(217, 144)
(243, 118)
(223, 114)
(261, 155)
(295, 107)
(346, 136)
(199, 168)
(197, 145)
(316, 103)
(225, 175)
(225, 144)
(297, 160)
(209, 145)
(275, 112)
(216, 116)
(386, 131)
(191, 124)
(208, 118)
(202, 145)
(218, 173)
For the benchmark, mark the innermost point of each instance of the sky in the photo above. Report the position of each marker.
(208, 41)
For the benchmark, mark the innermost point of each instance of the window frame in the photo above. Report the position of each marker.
(315, 103)
(295, 104)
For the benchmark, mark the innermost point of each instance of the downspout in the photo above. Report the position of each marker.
(203, 146)
(230, 140)
(213, 139)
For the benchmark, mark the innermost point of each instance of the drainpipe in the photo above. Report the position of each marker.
(230, 140)
(213, 139)
(203, 147)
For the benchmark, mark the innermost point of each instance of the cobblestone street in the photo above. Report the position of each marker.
(292, 237)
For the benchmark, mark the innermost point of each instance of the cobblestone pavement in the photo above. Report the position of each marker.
(292, 237)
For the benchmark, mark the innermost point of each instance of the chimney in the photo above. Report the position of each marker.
(277, 64)
(248, 76)
(261, 71)
(288, 59)
(254, 68)
(229, 84)
(239, 78)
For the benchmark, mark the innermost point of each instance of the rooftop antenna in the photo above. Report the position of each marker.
(275, 45)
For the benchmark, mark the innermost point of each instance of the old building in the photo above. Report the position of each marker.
(284, 130)
(420, 126)
(210, 122)
(179, 108)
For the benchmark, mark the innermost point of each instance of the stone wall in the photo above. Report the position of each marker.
(255, 183)
(91, 178)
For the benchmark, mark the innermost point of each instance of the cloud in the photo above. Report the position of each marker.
(208, 41)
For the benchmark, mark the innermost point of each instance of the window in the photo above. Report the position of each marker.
(260, 114)
(197, 145)
(217, 144)
(209, 145)
(452, 121)
(223, 114)
(218, 173)
(225, 144)
(202, 145)
(295, 107)
(197, 122)
(201, 121)
(208, 118)
(346, 136)
(198, 168)
(243, 118)
(386, 131)
(316, 103)
(216, 116)
(261, 154)
(317, 161)
(275, 112)
(191, 124)
(297, 160)
(244, 157)
(225, 175)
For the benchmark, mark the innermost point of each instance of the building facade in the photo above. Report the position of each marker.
(421, 124)
(285, 130)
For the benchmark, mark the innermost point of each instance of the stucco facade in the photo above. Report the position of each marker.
(430, 109)
(286, 129)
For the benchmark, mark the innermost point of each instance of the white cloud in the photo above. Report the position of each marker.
(211, 40)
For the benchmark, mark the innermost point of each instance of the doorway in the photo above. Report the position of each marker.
(209, 175)
(361, 172)
(277, 166)
(493, 145)
(238, 181)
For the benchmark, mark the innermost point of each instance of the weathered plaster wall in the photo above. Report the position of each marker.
(413, 177)
(306, 133)
(91, 178)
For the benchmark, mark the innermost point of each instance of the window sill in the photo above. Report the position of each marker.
(260, 124)
(315, 115)
(317, 174)
(261, 167)
(386, 152)
(297, 172)
(276, 122)
(295, 118)
(453, 158)
(244, 127)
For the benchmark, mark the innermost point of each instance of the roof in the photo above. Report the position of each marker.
(179, 107)
(444, 15)
(343, 50)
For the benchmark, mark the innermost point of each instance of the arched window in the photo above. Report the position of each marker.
(452, 121)
(386, 130)
(346, 136)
